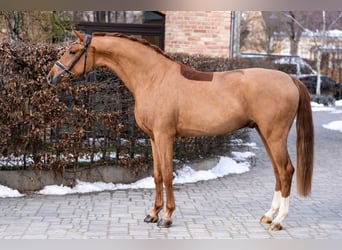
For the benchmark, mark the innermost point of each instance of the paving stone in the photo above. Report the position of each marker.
(225, 208)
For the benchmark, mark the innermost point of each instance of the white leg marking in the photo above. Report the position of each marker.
(283, 210)
(275, 205)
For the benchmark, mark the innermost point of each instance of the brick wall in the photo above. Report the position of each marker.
(198, 32)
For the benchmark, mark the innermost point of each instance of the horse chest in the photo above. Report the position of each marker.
(152, 117)
(142, 122)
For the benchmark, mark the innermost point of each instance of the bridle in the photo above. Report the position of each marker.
(83, 52)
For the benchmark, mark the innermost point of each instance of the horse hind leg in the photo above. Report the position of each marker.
(283, 170)
(279, 205)
(267, 218)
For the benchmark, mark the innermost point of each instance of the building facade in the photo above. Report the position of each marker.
(198, 32)
(192, 32)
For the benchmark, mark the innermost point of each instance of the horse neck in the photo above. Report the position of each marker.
(136, 64)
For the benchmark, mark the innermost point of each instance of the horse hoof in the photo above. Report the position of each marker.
(265, 220)
(150, 219)
(164, 223)
(275, 227)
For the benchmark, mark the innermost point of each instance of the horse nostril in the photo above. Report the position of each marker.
(48, 78)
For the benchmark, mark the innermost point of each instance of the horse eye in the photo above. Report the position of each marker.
(72, 52)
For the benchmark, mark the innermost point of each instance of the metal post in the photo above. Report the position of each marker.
(232, 34)
(235, 34)
(319, 56)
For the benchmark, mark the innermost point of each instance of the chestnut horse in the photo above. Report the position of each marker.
(172, 100)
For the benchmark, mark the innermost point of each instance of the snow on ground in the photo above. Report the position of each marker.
(186, 174)
(320, 107)
(238, 164)
(335, 125)
(8, 192)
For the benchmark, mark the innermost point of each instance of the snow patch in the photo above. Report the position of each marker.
(238, 164)
(335, 125)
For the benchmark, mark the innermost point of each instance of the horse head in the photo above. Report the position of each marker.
(75, 62)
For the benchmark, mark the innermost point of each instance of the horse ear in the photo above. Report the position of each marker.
(80, 35)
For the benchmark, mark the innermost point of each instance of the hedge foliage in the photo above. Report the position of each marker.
(88, 121)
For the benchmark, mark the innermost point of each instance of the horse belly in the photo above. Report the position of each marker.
(216, 122)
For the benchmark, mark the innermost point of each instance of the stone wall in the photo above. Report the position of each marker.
(198, 32)
(26, 181)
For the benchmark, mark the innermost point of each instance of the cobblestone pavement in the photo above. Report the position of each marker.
(229, 207)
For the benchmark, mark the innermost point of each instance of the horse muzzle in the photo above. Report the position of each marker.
(54, 78)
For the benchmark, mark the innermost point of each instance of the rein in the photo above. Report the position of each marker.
(83, 52)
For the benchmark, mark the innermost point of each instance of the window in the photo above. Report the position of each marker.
(148, 25)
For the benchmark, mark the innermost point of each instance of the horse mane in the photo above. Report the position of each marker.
(186, 71)
(135, 39)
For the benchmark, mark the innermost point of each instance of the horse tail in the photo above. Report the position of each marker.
(305, 141)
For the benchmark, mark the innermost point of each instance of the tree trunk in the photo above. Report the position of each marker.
(293, 47)
(15, 24)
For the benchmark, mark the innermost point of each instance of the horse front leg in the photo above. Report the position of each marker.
(153, 217)
(162, 150)
(164, 146)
